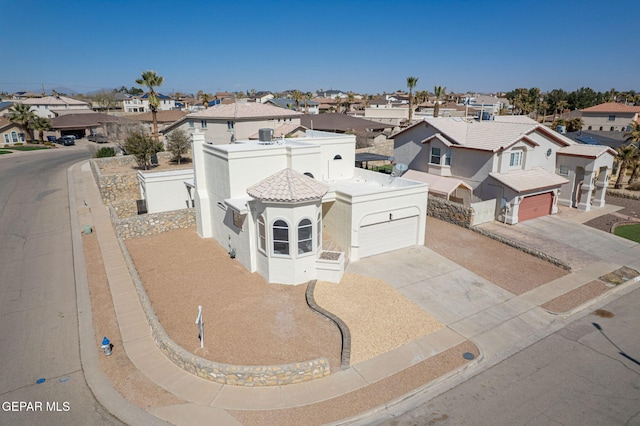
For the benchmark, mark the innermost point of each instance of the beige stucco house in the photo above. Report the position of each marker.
(525, 167)
(610, 117)
(225, 123)
(295, 210)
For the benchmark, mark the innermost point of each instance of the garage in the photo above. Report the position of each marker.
(535, 206)
(389, 235)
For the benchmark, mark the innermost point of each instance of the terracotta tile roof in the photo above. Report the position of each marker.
(284, 130)
(162, 116)
(612, 107)
(82, 120)
(240, 110)
(331, 122)
(443, 185)
(288, 185)
(529, 180)
(589, 151)
(53, 100)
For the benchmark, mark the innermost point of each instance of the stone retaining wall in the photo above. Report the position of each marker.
(240, 375)
(152, 223)
(449, 211)
(624, 193)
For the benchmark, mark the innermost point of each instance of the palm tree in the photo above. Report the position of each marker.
(350, 99)
(205, 98)
(411, 83)
(152, 80)
(625, 157)
(307, 97)
(439, 91)
(297, 96)
(22, 116)
(632, 137)
(338, 103)
(40, 124)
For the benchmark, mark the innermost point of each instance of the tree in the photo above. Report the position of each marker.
(40, 124)
(205, 98)
(178, 144)
(411, 83)
(575, 125)
(297, 97)
(625, 158)
(21, 115)
(350, 99)
(105, 100)
(338, 103)
(120, 131)
(142, 148)
(307, 97)
(151, 80)
(439, 91)
(632, 137)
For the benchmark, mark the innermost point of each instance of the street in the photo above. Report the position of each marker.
(42, 381)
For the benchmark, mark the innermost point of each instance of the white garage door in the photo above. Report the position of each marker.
(386, 236)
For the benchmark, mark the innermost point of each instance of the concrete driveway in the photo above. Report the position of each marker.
(568, 240)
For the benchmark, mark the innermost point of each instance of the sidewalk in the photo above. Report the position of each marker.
(497, 322)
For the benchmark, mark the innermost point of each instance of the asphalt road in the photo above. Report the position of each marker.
(587, 373)
(39, 325)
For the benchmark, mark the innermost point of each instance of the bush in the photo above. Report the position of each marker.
(635, 186)
(178, 144)
(18, 144)
(142, 147)
(105, 151)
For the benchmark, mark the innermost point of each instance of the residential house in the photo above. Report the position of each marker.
(341, 123)
(141, 103)
(163, 118)
(305, 105)
(609, 116)
(226, 123)
(22, 95)
(53, 106)
(523, 167)
(262, 97)
(332, 94)
(81, 125)
(11, 132)
(295, 210)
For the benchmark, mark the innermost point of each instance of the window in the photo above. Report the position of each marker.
(309, 174)
(305, 236)
(14, 137)
(612, 118)
(435, 156)
(191, 125)
(262, 238)
(338, 157)
(515, 159)
(280, 237)
(319, 230)
(203, 124)
(564, 171)
(22, 137)
(612, 129)
(6, 138)
(229, 125)
(447, 158)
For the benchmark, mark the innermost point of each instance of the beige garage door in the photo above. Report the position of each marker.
(535, 206)
(386, 236)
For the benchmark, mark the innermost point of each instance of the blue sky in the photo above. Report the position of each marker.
(363, 46)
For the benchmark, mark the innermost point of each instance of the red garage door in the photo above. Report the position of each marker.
(535, 206)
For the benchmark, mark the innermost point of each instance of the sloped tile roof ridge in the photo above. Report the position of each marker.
(288, 185)
(612, 107)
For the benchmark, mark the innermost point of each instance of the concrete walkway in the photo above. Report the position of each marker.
(473, 308)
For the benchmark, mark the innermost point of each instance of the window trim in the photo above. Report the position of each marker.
(319, 231)
(262, 236)
(432, 155)
(518, 154)
(308, 241)
(564, 168)
(274, 240)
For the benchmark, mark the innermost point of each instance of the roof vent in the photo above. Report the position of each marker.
(265, 136)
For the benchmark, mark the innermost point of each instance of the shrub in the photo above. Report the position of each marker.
(142, 147)
(18, 144)
(178, 143)
(105, 151)
(635, 186)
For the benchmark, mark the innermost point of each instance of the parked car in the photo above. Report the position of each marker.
(97, 138)
(66, 140)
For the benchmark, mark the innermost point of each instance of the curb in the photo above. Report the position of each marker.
(100, 386)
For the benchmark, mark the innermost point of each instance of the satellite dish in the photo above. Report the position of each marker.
(399, 169)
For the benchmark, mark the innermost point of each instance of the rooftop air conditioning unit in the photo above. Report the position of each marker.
(265, 136)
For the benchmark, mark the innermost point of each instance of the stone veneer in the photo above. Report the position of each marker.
(152, 223)
(449, 211)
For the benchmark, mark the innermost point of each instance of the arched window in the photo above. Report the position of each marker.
(308, 174)
(590, 128)
(319, 230)
(14, 137)
(262, 235)
(280, 237)
(338, 157)
(305, 236)
(612, 129)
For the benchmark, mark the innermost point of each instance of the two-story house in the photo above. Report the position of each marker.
(53, 106)
(141, 103)
(609, 116)
(527, 168)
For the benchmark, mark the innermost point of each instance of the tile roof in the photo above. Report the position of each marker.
(290, 186)
(240, 110)
(529, 180)
(612, 107)
(284, 130)
(53, 100)
(162, 116)
(82, 120)
(443, 185)
(589, 151)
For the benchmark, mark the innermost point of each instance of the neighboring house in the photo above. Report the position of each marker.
(10, 132)
(4, 108)
(279, 207)
(289, 130)
(525, 167)
(609, 116)
(390, 115)
(263, 97)
(332, 94)
(19, 96)
(226, 123)
(490, 104)
(53, 106)
(305, 106)
(141, 103)
(81, 125)
(341, 123)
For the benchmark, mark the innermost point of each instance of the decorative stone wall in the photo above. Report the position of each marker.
(449, 211)
(151, 224)
(239, 375)
(624, 193)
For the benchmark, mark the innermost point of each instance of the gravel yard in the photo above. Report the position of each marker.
(631, 208)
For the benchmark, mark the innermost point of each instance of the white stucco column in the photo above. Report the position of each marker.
(201, 196)
(511, 216)
(585, 191)
(554, 204)
(601, 187)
